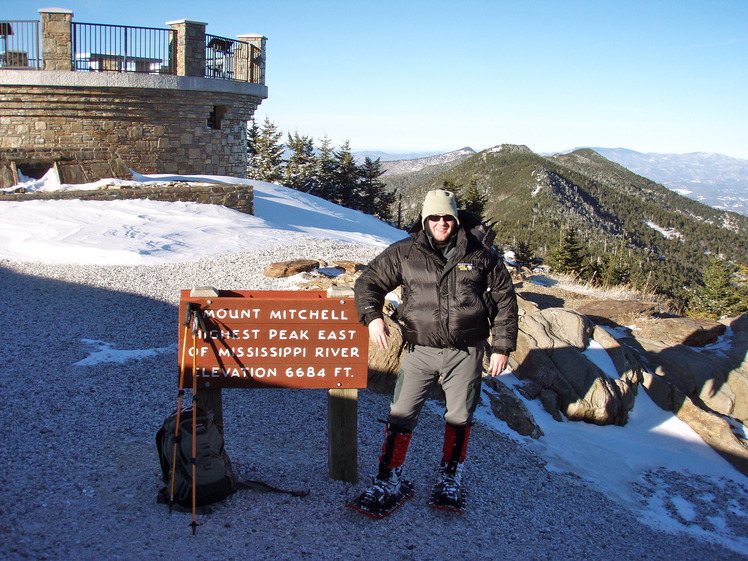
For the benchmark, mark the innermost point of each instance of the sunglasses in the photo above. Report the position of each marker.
(446, 218)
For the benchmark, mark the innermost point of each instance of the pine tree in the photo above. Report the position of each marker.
(568, 257)
(347, 178)
(300, 172)
(375, 199)
(524, 254)
(617, 269)
(266, 154)
(253, 133)
(471, 198)
(717, 296)
(325, 172)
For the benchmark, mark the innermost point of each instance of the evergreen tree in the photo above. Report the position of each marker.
(617, 269)
(347, 178)
(568, 256)
(266, 154)
(374, 198)
(300, 172)
(253, 133)
(524, 254)
(717, 296)
(325, 172)
(471, 198)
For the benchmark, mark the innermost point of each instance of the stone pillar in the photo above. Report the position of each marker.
(190, 47)
(254, 72)
(57, 38)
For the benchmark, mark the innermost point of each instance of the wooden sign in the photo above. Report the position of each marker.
(273, 339)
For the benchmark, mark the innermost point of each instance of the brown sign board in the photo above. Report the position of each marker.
(272, 339)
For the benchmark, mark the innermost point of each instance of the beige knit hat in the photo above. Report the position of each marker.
(438, 203)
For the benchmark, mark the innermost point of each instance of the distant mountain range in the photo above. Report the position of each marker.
(401, 166)
(713, 179)
(716, 180)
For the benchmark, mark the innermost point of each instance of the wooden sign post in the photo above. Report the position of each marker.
(279, 339)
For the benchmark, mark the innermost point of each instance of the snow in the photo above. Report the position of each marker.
(146, 232)
(668, 233)
(655, 468)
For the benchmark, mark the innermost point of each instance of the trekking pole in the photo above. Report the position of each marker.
(195, 323)
(177, 438)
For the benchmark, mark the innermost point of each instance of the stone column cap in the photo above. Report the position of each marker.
(178, 21)
(54, 11)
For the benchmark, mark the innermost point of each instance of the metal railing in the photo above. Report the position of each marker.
(230, 59)
(116, 48)
(100, 47)
(19, 45)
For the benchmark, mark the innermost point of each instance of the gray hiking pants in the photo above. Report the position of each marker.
(459, 372)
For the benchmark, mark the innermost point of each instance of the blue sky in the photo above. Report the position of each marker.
(422, 76)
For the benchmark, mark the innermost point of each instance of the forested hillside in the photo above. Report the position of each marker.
(627, 227)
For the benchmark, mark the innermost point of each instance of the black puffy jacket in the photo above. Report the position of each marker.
(452, 303)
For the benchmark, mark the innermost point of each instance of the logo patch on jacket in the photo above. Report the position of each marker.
(464, 266)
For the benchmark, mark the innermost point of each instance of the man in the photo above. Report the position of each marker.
(455, 293)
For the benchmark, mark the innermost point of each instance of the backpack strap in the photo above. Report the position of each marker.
(263, 487)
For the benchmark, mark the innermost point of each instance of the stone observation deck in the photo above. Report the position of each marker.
(89, 101)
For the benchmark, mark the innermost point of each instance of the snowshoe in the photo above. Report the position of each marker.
(448, 493)
(383, 496)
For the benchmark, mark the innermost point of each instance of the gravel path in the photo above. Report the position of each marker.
(80, 473)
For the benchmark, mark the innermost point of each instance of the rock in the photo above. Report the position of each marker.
(526, 306)
(616, 312)
(348, 266)
(549, 352)
(507, 407)
(699, 376)
(627, 364)
(290, 268)
(549, 401)
(694, 332)
(384, 364)
(736, 364)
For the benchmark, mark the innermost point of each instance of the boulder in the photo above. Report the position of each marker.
(384, 364)
(627, 364)
(348, 266)
(616, 312)
(506, 406)
(694, 332)
(550, 353)
(291, 268)
(700, 376)
(736, 364)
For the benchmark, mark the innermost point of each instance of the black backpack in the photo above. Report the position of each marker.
(214, 475)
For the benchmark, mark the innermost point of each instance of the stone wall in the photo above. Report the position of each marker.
(238, 197)
(94, 133)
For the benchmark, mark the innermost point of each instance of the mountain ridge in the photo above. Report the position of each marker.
(662, 238)
(711, 178)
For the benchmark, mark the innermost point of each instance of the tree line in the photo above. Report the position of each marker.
(317, 168)
(720, 292)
